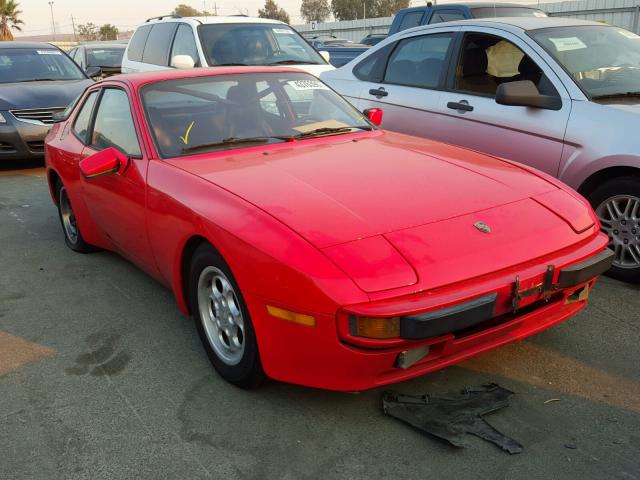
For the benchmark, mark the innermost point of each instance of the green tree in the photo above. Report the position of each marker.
(356, 9)
(184, 10)
(353, 9)
(386, 8)
(315, 10)
(272, 11)
(9, 19)
(108, 32)
(89, 32)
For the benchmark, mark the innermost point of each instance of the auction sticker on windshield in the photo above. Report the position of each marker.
(568, 43)
(307, 85)
(283, 30)
(49, 52)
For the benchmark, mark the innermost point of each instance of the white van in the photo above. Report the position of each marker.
(187, 42)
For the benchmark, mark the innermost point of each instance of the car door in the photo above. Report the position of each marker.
(405, 79)
(115, 201)
(472, 118)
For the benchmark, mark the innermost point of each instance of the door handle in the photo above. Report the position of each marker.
(461, 106)
(378, 92)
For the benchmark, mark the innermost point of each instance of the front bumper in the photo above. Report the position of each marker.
(21, 140)
(327, 356)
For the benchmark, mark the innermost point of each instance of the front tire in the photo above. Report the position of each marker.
(72, 236)
(222, 320)
(617, 205)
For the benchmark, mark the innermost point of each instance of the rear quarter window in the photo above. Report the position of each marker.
(158, 44)
(137, 43)
(410, 20)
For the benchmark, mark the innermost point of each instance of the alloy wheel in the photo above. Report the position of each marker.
(620, 219)
(221, 315)
(68, 217)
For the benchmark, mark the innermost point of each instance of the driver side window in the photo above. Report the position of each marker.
(114, 126)
(487, 61)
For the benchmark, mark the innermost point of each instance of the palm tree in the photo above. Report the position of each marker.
(9, 14)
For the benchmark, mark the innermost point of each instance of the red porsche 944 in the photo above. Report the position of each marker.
(309, 245)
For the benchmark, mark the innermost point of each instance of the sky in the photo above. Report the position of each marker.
(127, 14)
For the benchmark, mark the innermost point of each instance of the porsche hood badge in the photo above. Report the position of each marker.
(483, 227)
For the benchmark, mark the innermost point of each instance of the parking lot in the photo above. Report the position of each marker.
(102, 377)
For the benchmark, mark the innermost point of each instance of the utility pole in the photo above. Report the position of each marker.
(53, 22)
(73, 24)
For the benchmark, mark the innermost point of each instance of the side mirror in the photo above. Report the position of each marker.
(93, 72)
(374, 115)
(182, 62)
(326, 55)
(524, 93)
(105, 162)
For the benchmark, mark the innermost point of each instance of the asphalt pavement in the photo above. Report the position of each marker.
(102, 377)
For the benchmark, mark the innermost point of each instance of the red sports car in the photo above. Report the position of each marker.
(310, 246)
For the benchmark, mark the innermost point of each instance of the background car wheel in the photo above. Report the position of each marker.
(617, 204)
(72, 236)
(223, 320)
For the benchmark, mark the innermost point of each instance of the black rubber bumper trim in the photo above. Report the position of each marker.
(586, 270)
(448, 320)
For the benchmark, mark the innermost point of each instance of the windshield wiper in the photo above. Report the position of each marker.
(616, 95)
(230, 65)
(329, 131)
(292, 62)
(39, 80)
(232, 141)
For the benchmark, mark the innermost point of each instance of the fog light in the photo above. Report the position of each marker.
(410, 357)
(379, 328)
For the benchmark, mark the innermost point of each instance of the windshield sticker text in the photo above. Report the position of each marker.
(628, 34)
(568, 43)
(307, 85)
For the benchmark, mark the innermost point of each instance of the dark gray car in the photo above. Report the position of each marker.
(36, 81)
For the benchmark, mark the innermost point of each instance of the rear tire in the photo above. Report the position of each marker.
(72, 235)
(617, 204)
(222, 320)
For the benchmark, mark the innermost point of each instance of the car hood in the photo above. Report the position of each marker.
(626, 104)
(52, 94)
(373, 201)
(314, 70)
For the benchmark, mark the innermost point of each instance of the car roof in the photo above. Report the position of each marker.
(137, 80)
(214, 19)
(473, 5)
(521, 23)
(13, 44)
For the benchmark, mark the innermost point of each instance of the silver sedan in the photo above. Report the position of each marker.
(557, 94)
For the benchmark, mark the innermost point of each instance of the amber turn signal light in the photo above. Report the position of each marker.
(294, 317)
(379, 328)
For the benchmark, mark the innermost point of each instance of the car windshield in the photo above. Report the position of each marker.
(255, 44)
(105, 57)
(36, 64)
(219, 112)
(603, 60)
(497, 11)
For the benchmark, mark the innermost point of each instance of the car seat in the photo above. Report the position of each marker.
(246, 117)
(474, 76)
